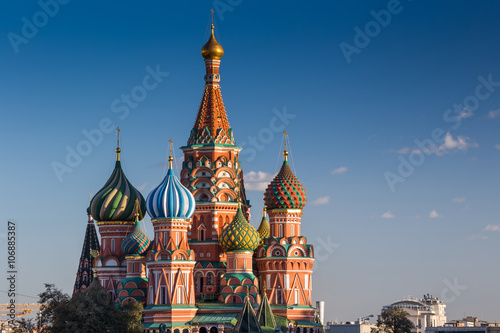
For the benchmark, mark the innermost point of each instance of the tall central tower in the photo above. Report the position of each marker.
(212, 172)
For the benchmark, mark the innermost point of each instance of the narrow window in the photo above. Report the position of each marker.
(112, 245)
(296, 296)
(179, 295)
(292, 230)
(280, 233)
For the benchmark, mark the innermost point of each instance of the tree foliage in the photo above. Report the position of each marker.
(394, 320)
(24, 325)
(88, 311)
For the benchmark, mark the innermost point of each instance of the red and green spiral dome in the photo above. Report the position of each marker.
(285, 191)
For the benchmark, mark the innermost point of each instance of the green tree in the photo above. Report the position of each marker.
(88, 311)
(394, 320)
(24, 325)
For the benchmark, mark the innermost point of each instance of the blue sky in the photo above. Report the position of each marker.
(354, 119)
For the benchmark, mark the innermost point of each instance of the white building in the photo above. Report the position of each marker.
(349, 328)
(426, 312)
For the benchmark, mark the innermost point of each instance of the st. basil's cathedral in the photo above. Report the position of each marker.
(207, 268)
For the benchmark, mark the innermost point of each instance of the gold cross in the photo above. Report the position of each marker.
(170, 144)
(137, 208)
(212, 10)
(118, 137)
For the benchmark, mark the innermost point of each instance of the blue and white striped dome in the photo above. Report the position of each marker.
(170, 200)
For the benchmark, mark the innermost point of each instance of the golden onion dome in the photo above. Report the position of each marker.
(212, 49)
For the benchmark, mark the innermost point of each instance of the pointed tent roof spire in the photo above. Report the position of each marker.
(90, 250)
(265, 315)
(211, 126)
(247, 322)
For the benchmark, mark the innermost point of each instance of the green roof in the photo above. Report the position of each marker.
(215, 318)
(247, 321)
(305, 323)
(265, 315)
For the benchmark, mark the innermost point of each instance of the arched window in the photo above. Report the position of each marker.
(201, 233)
(280, 230)
(279, 296)
(198, 281)
(210, 279)
(165, 239)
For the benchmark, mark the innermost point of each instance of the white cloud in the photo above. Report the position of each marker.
(459, 199)
(466, 113)
(388, 215)
(451, 145)
(321, 201)
(403, 151)
(493, 114)
(492, 227)
(338, 171)
(433, 214)
(478, 237)
(257, 181)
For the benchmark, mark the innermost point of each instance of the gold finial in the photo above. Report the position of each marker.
(170, 158)
(248, 293)
(265, 288)
(118, 150)
(90, 195)
(212, 49)
(264, 211)
(285, 152)
(95, 273)
(137, 208)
